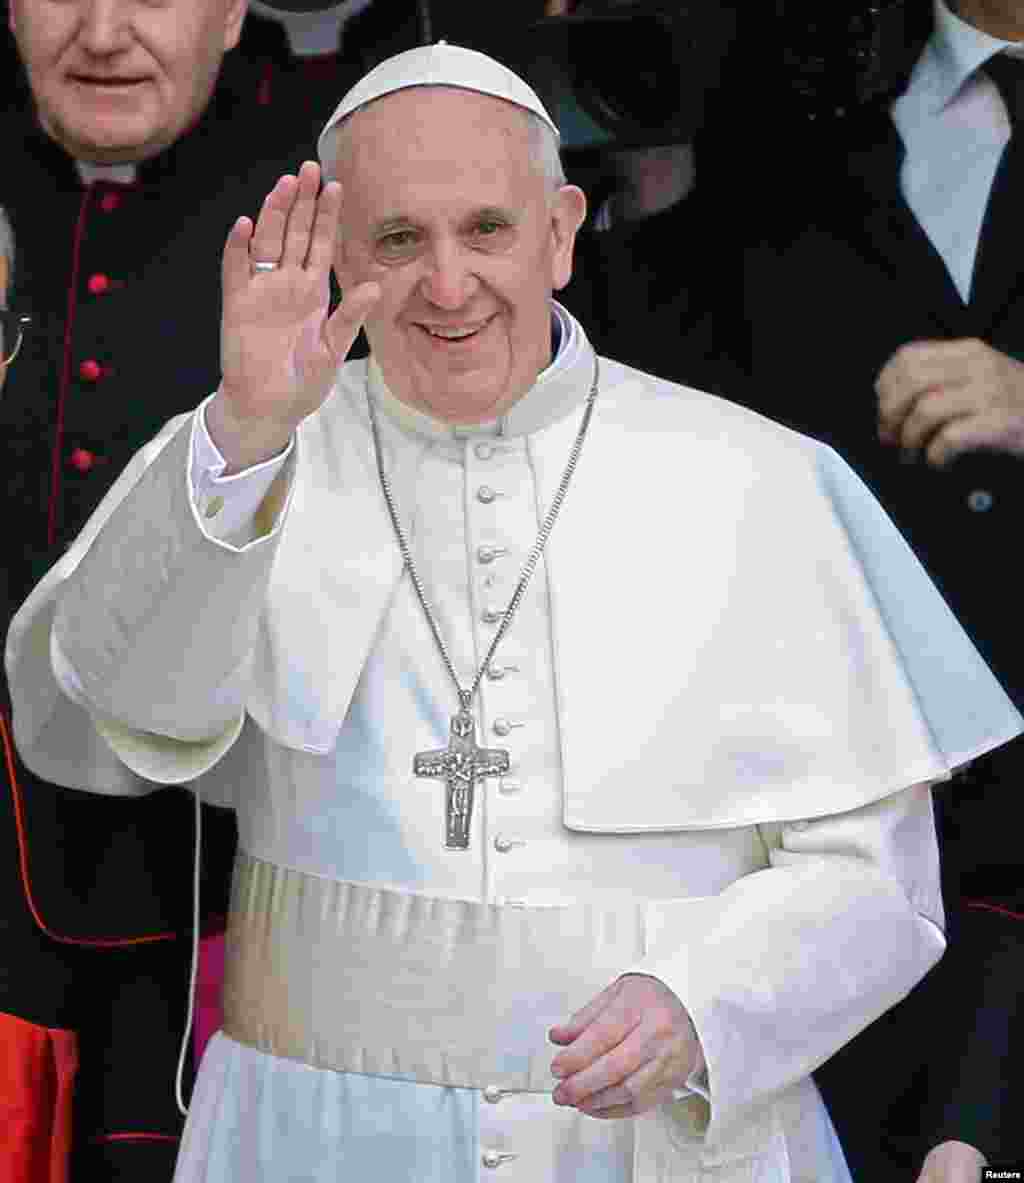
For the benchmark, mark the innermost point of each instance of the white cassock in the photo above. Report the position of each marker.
(724, 696)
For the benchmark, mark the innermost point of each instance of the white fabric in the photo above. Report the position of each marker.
(118, 174)
(227, 505)
(954, 124)
(315, 33)
(440, 64)
(318, 968)
(728, 738)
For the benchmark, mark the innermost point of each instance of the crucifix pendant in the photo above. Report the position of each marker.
(461, 764)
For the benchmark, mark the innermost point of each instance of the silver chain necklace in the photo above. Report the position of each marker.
(462, 763)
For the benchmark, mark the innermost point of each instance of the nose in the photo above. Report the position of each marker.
(449, 282)
(105, 26)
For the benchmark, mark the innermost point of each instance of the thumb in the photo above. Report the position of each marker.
(347, 319)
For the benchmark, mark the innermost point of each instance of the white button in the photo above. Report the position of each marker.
(487, 554)
(495, 672)
(214, 506)
(503, 845)
(980, 500)
(493, 1094)
(503, 727)
(485, 494)
(493, 615)
(509, 784)
(483, 451)
(494, 1158)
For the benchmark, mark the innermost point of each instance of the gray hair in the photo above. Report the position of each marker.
(544, 149)
(6, 251)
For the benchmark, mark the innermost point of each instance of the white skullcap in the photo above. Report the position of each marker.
(434, 65)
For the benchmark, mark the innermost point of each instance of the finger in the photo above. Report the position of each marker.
(235, 269)
(638, 1093)
(972, 433)
(568, 1031)
(909, 373)
(604, 1055)
(267, 243)
(300, 216)
(931, 412)
(347, 319)
(324, 241)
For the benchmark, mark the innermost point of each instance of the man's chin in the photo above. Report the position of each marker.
(108, 145)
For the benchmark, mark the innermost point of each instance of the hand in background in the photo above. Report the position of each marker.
(950, 397)
(952, 1162)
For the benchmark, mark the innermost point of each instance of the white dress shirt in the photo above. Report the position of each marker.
(954, 124)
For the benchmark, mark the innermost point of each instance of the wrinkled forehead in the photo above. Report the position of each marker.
(410, 123)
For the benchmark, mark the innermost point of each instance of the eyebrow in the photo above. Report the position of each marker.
(487, 213)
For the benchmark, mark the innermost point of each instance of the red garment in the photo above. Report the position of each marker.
(38, 1066)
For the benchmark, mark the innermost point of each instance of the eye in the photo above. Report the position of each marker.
(397, 240)
(489, 227)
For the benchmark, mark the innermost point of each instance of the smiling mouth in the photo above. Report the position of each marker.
(454, 334)
(108, 83)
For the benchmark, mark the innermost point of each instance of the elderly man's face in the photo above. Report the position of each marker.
(445, 208)
(117, 81)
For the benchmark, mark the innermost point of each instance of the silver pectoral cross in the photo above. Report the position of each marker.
(461, 764)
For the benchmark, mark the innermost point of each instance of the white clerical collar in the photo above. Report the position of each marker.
(559, 388)
(954, 52)
(117, 174)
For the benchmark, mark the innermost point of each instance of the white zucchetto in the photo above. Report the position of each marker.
(433, 65)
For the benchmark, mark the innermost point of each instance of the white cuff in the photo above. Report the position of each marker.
(226, 505)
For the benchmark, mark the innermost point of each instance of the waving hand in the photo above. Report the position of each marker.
(279, 350)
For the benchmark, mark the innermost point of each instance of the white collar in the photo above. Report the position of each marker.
(954, 52)
(559, 388)
(118, 174)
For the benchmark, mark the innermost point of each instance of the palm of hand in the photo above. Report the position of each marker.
(279, 349)
(277, 356)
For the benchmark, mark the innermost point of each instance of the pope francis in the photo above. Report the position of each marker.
(580, 726)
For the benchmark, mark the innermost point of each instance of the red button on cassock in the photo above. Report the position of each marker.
(90, 371)
(109, 202)
(82, 459)
(98, 283)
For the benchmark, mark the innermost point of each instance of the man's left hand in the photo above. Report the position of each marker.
(951, 397)
(627, 1050)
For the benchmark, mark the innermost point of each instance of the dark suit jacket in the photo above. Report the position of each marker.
(123, 285)
(827, 304)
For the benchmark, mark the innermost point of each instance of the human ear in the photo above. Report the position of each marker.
(234, 16)
(568, 209)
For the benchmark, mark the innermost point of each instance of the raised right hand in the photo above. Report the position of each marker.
(279, 350)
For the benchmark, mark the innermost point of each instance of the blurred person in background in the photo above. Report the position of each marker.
(888, 321)
(651, 258)
(130, 144)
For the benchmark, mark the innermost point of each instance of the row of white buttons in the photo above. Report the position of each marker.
(500, 727)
